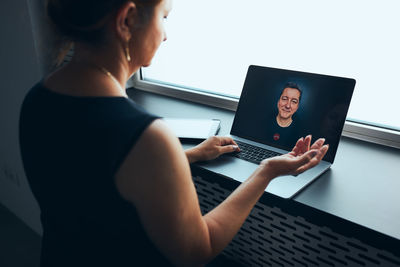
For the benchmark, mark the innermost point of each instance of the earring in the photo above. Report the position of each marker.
(128, 57)
(127, 54)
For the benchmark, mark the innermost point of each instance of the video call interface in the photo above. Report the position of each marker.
(277, 107)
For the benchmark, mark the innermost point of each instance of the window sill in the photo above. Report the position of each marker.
(355, 130)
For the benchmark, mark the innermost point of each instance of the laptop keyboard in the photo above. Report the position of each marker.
(253, 153)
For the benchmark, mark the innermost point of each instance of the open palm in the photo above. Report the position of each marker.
(301, 158)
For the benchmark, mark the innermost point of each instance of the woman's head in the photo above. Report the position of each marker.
(133, 23)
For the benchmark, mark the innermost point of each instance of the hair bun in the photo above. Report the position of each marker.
(84, 20)
(77, 18)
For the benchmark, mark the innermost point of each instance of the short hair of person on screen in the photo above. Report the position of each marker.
(288, 104)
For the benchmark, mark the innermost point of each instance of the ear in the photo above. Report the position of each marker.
(125, 20)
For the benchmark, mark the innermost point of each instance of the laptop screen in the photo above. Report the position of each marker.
(277, 107)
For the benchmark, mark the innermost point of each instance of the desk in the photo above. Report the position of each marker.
(348, 216)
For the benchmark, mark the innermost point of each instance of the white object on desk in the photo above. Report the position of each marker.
(193, 128)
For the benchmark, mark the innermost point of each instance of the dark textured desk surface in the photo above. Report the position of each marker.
(362, 185)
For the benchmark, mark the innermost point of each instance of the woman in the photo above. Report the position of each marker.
(113, 183)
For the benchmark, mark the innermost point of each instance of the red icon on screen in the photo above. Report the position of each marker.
(276, 137)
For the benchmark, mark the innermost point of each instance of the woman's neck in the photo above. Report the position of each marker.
(93, 71)
(108, 58)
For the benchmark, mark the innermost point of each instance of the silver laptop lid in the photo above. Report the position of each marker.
(278, 106)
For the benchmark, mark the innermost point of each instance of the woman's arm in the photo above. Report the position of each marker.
(225, 220)
(156, 179)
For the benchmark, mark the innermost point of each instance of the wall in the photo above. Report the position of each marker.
(21, 66)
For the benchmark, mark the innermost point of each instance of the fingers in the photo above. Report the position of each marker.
(307, 142)
(228, 141)
(228, 149)
(323, 151)
(225, 140)
(305, 159)
(314, 159)
(318, 144)
(302, 145)
(296, 149)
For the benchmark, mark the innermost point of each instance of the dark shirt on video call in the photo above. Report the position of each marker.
(281, 136)
(71, 149)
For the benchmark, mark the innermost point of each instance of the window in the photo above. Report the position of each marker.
(211, 44)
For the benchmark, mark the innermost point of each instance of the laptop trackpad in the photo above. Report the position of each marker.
(232, 167)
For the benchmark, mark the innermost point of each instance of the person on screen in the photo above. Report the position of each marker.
(288, 104)
(113, 182)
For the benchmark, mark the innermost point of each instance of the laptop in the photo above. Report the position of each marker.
(275, 109)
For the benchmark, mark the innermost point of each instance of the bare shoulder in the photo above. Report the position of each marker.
(152, 161)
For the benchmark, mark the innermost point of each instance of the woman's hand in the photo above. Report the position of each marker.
(211, 148)
(300, 159)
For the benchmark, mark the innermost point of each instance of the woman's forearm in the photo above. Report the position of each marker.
(192, 155)
(225, 220)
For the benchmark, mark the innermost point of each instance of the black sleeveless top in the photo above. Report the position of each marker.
(71, 149)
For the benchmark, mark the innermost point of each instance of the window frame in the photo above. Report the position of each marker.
(352, 129)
